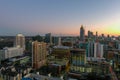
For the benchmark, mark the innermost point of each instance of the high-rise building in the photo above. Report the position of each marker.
(108, 36)
(118, 46)
(20, 41)
(103, 35)
(95, 49)
(38, 54)
(48, 38)
(82, 33)
(96, 34)
(90, 34)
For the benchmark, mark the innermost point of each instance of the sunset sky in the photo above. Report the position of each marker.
(32, 17)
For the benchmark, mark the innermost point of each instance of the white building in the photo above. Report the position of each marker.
(10, 52)
(59, 41)
(95, 49)
(98, 50)
(20, 41)
(90, 50)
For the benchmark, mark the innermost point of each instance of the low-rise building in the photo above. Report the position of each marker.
(14, 73)
(6, 52)
(58, 66)
(61, 52)
(40, 77)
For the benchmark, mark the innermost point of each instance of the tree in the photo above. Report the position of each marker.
(38, 38)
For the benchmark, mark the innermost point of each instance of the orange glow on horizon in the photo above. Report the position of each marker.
(112, 30)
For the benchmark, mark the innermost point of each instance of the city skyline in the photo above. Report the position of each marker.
(59, 17)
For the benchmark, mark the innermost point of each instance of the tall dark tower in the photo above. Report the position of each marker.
(48, 38)
(82, 33)
(96, 34)
(89, 34)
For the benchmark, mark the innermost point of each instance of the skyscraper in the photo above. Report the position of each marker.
(90, 34)
(96, 34)
(48, 38)
(38, 54)
(82, 33)
(20, 41)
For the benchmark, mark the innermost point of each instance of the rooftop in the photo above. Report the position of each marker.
(61, 47)
(9, 72)
(40, 77)
(58, 62)
(11, 48)
(19, 34)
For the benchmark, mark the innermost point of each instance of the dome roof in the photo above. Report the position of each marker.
(19, 34)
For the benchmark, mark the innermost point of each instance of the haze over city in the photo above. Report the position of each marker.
(59, 16)
(59, 40)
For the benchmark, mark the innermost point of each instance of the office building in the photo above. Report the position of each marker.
(82, 34)
(48, 38)
(96, 34)
(6, 52)
(57, 66)
(59, 41)
(78, 62)
(118, 46)
(90, 34)
(67, 42)
(20, 41)
(90, 49)
(83, 45)
(38, 54)
(61, 53)
(56, 41)
(116, 59)
(98, 50)
(95, 49)
(103, 35)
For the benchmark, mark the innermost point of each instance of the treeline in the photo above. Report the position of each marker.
(6, 44)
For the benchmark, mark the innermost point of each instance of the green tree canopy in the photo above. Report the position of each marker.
(38, 38)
